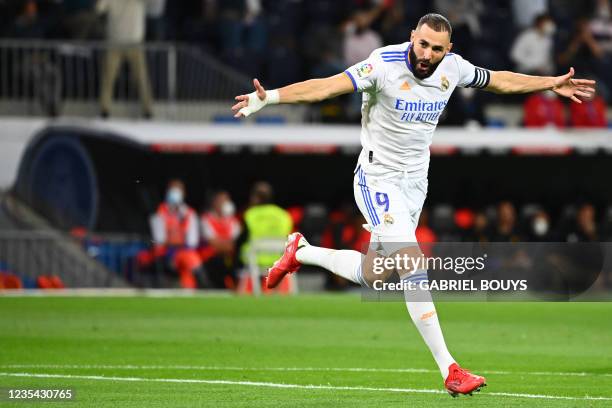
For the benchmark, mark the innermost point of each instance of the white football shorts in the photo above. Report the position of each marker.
(391, 204)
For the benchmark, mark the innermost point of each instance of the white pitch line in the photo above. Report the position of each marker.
(219, 368)
(304, 369)
(293, 386)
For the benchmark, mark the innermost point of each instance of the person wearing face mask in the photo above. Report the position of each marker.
(540, 227)
(219, 229)
(174, 228)
(532, 51)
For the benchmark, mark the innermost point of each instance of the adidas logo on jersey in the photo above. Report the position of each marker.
(405, 86)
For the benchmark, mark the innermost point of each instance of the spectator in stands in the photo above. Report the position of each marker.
(263, 220)
(583, 262)
(27, 23)
(81, 21)
(532, 51)
(585, 226)
(544, 109)
(582, 47)
(589, 113)
(125, 33)
(585, 53)
(174, 228)
(220, 228)
(359, 38)
(539, 228)
(600, 27)
(359, 41)
(505, 229)
(480, 229)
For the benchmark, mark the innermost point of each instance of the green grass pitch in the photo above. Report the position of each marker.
(219, 351)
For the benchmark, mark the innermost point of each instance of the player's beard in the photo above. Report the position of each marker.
(414, 63)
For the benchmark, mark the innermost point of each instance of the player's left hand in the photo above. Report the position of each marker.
(577, 90)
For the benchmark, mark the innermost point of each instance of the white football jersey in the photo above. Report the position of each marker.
(400, 112)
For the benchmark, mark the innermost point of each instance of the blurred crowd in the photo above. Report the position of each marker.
(211, 249)
(505, 223)
(284, 41)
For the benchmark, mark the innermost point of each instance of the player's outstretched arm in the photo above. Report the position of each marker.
(313, 90)
(505, 82)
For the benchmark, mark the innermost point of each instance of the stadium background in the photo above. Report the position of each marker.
(200, 54)
(78, 185)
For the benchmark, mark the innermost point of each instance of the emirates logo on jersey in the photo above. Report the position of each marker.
(444, 84)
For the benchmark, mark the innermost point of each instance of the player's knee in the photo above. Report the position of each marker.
(379, 268)
(370, 276)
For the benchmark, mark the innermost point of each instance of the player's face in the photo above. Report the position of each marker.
(428, 49)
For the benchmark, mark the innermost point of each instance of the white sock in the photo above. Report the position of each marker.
(347, 263)
(425, 318)
(342, 262)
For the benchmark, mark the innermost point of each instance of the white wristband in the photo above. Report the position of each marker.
(272, 97)
(255, 104)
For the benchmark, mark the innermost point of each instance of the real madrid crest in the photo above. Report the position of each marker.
(388, 219)
(444, 83)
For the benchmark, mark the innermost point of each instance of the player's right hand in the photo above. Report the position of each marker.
(250, 103)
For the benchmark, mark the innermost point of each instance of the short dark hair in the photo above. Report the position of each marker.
(540, 18)
(176, 183)
(262, 193)
(436, 22)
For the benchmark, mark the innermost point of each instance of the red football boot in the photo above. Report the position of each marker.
(460, 381)
(286, 263)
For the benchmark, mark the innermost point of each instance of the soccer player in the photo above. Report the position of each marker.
(405, 90)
